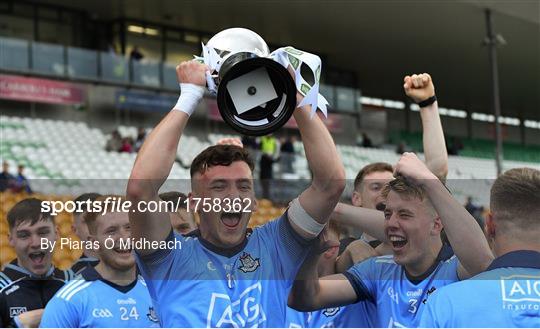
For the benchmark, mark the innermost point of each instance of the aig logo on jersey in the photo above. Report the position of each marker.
(101, 313)
(249, 264)
(14, 311)
(521, 292)
(246, 311)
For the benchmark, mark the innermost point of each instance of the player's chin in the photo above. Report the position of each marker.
(231, 238)
(40, 269)
(124, 264)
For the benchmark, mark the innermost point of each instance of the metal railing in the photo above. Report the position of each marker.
(51, 60)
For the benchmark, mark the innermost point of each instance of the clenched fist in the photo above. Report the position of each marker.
(230, 141)
(192, 72)
(419, 87)
(412, 168)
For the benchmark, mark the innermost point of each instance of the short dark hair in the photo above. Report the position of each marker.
(174, 197)
(370, 168)
(402, 186)
(220, 155)
(91, 217)
(27, 210)
(515, 198)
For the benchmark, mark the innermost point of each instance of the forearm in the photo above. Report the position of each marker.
(433, 141)
(462, 230)
(30, 319)
(302, 296)
(321, 152)
(151, 169)
(328, 182)
(156, 156)
(366, 220)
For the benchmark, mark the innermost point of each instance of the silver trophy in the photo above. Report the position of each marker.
(256, 95)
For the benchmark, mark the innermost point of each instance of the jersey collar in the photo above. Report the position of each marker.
(445, 254)
(226, 252)
(92, 261)
(21, 271)
(90, 274)
(518, 258)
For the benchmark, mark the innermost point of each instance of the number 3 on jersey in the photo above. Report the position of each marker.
(412, 305)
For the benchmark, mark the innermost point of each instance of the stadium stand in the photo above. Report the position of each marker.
(67, 158)
(68, 152)
(477, 148)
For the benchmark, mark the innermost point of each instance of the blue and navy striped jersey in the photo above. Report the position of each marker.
(399, 300)
(89, 301)
(202, 286)
(506, 295)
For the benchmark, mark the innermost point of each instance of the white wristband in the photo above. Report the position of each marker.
(302, 219)
(190, 95)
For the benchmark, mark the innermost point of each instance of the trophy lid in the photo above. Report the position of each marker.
(239, 39)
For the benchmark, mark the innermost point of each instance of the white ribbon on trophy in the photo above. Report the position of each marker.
(285, 56)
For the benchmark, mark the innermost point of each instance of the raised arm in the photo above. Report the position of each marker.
(156, 156)
(420, 88)
(463, 232)
(320, 198)
(370, 221)
(309, 292)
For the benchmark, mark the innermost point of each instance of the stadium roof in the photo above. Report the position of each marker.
(380, 40)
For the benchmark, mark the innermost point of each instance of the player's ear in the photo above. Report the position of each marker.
(191, 203)
(437, 226)
(56, 232)
(11, 240)
(490, 228)
(91, 237)
(356, 199)
(255, 203)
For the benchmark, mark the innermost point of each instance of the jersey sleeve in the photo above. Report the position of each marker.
(4, 315)
(60, 313)
(164, 266)
(290, 249)
(364, 278)
(160, 264)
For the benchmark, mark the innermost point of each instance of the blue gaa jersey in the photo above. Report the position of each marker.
(358, 315)
(506, 295)
(399, 300)
(201, 285)
(89, 301)
(296, 319)
(350, 316)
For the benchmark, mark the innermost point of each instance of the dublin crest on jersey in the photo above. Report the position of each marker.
(328, 312)
(249, 264)
(152, 316)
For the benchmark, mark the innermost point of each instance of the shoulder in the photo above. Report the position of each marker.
(376, 266)
(271, 223)
(9, 279)
(384, 264)
(141, 281)
(450, 261)
(63, 275)
(386, 259)
(74, 289)
(5, 280)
